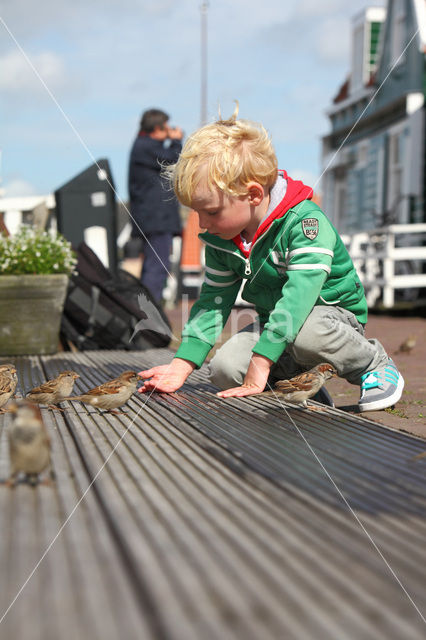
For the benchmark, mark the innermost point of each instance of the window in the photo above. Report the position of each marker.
(340, 203)
(361, 155)
(374, 46)
(395, 174)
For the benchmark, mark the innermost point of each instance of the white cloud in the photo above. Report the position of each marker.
(17, 74)
(315, 9)
(26, 19)
(18, 187)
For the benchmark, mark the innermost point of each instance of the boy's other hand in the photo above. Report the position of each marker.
(255, 380)
(239, 392)
(166, 378)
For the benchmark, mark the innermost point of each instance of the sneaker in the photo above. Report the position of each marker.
(381, 389)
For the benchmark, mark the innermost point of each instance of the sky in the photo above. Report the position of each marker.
(76, 76)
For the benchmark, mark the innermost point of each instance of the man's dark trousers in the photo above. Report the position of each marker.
(156, 250)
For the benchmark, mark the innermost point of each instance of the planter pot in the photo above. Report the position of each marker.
(30, 313)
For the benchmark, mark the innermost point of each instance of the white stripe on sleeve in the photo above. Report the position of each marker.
(309, 267)
(297, 252)
(219, 284)
(218, 272)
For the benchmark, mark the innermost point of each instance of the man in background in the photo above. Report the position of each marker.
(153, 206)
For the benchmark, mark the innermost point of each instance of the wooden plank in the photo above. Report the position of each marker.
(59, 542)
(397, 522)
(207, 518)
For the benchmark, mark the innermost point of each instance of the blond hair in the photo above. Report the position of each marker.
(229, 153)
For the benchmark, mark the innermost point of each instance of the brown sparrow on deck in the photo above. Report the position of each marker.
(29, 443)
(110, 395)
(302, 387)
(53, 391)
(407, 346)
(8, 382)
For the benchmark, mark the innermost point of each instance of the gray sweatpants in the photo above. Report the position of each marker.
(329, 334)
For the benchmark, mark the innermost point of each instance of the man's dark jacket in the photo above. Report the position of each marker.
(152, 202)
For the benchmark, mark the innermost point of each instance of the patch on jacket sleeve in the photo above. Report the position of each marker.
(310, 228)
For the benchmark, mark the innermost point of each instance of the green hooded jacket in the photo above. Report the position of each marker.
(297, 260)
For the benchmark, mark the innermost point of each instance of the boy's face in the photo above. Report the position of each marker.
(222, 215)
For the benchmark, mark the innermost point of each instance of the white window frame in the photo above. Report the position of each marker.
(340, 202)
(396, 174)
(362, 154)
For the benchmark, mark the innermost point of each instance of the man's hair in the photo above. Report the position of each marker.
(229, 153)
(153, 118)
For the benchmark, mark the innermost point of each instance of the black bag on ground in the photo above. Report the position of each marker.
(106, 311)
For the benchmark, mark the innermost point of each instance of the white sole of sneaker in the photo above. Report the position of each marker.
(386, 402)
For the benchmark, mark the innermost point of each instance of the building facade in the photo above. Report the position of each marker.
(373, 159)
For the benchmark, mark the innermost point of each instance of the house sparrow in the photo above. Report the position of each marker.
(305, 385)
(419, 456)
(407, 346)
(8, 382)
(112, 394)
(53, 391)
(29, 443)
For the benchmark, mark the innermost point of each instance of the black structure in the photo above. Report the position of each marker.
(88, 200)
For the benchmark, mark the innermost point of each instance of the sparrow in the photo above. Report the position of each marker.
(305, 385)
(419, 456)
(112, 394)
(407, 346)
(8, 382)
(53, 391)
(29, 443)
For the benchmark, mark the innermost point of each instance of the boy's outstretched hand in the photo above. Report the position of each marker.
(166, 378)
(239, 392)
(255, 380)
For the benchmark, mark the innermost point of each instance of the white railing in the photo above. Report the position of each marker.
(389, 259)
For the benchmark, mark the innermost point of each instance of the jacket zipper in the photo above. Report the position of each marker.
(247, 266)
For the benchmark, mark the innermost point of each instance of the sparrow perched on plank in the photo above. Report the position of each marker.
(29, 443)
(302, 387)
(407, 346)
(53, 391)
(110, 395)
(8, 382)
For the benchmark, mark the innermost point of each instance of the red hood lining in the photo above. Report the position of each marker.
(296, 192)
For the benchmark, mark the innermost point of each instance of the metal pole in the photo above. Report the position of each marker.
(203, 8)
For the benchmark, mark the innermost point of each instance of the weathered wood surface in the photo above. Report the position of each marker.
(192, 517)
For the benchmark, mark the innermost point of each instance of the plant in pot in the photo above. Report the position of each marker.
(34, 270)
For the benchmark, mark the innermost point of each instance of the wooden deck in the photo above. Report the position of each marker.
(193, 517)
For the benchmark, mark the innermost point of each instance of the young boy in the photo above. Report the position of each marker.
(262, 227)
